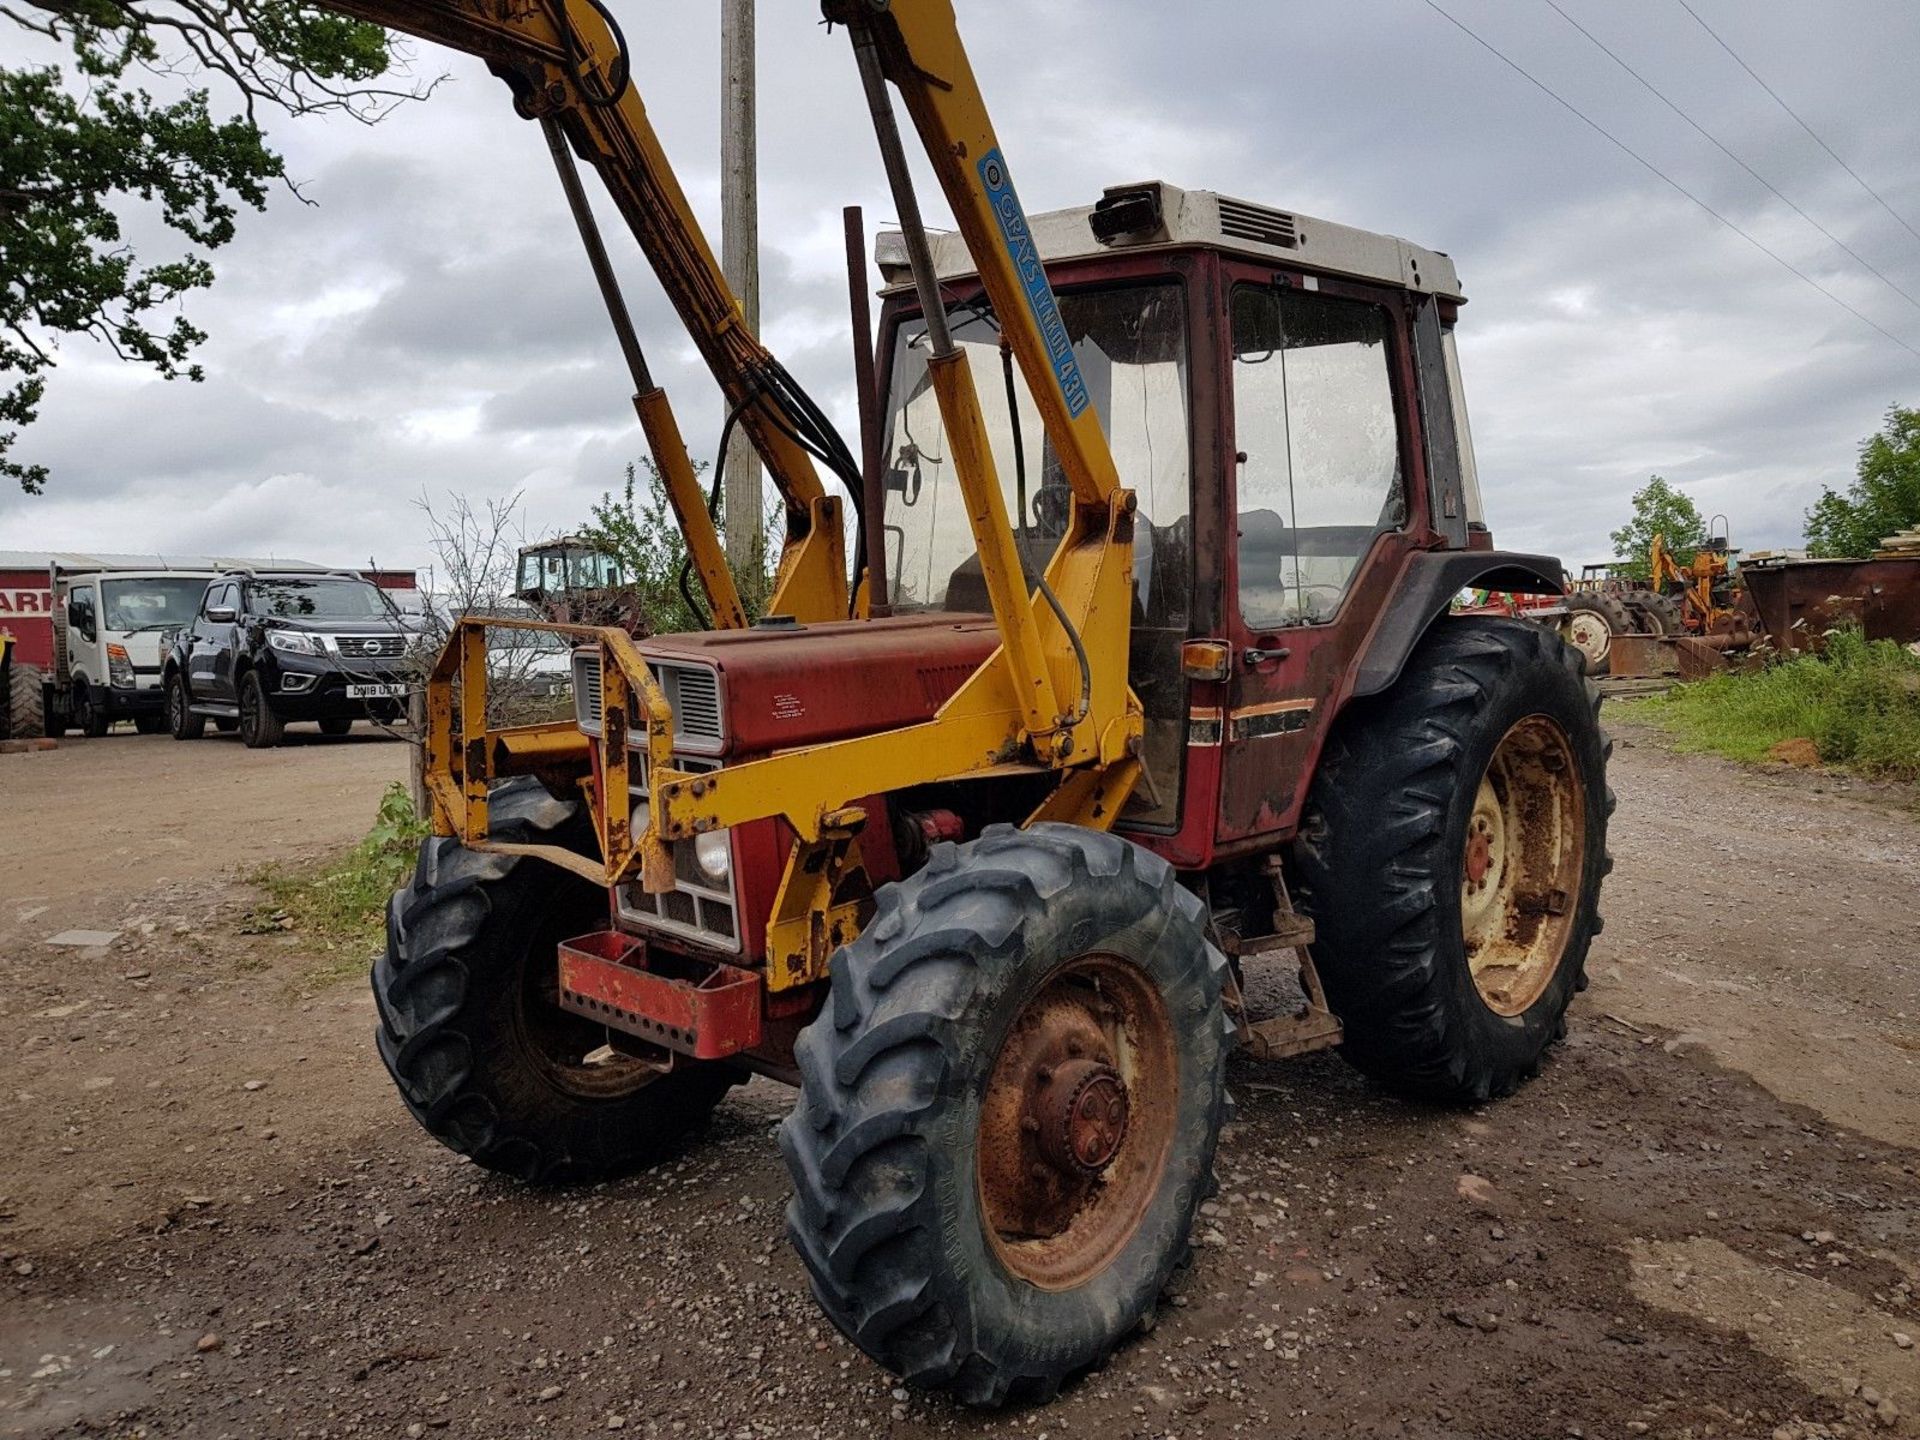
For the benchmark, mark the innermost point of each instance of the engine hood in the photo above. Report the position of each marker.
(806, 684)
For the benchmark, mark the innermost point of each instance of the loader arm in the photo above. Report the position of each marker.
(565, 62)
(1054, 696)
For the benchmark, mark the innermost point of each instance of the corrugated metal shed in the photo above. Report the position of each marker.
(77, 560)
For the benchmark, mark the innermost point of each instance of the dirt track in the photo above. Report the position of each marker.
(1703, 1218)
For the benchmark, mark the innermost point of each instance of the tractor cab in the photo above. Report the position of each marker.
(1282, 395)
(568, 565)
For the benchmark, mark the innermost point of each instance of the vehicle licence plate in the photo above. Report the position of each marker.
(376, 692)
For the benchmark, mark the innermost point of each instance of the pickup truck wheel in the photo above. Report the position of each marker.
(182, 723)
(470, 1028)
(1451, 857)
(89, 718)
(260, 728)
(1008, 1111)
(26, 702)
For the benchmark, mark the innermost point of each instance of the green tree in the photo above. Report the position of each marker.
(85, 148)
(1658, 509)
(637, 527)
(1884, 496)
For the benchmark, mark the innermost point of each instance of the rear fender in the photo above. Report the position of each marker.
(1431, 580)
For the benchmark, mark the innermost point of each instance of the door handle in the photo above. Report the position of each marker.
(1254, 658)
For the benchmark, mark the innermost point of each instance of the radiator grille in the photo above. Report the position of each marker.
(693, 692)
(371, 647)
(1242, 221)
(696, 908)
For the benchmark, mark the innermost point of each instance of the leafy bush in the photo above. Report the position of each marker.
(1858, 702)
(342, 903)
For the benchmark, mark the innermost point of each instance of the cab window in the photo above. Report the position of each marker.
(1320, 472)
(80, 613)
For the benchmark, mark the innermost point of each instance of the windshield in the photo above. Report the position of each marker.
(318, 599)
(569, 568)
(1131, 345)
(1131, 342)
(151, 604)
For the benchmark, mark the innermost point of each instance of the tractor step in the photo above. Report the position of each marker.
(1310, 1027)
(700, 1008)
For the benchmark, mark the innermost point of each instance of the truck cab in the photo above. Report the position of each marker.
(117, 625)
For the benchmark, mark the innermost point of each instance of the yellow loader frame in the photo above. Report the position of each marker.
(1052, 697)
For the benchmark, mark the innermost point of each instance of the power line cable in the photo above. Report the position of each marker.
(1796, 118)
(1716, 142)
(1660, 174)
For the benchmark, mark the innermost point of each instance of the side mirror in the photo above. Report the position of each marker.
(222, 614)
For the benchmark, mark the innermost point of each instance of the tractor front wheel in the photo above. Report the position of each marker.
(470, 1023)
(1451, 858)
(1008, 1111)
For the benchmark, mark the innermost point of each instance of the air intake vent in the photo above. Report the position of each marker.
(692, 691)
(587, 707)
(1241, 221)
(694, 694)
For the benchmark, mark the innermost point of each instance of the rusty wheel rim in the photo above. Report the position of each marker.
(1077, 1122)
(1589, 633)
(1521, 863)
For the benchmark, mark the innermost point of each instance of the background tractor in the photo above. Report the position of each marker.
(1141, 681)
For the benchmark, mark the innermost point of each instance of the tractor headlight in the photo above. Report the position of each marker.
(713, 853)
(293, 642)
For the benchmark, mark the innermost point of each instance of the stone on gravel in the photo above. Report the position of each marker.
(84, 939)
(1475, 1190)
(1903, 1340)
(207, 1343)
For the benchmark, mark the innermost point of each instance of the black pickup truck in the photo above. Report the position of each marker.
(268, 649)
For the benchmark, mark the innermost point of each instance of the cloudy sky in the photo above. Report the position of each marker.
(429, 325)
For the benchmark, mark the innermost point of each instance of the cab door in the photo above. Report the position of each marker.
(1325, 500)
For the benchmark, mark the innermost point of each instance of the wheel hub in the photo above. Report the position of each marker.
(1080, 1114)
(1521, 864)
(1076, 1122)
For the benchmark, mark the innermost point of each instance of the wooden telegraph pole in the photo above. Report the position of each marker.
(740, 259)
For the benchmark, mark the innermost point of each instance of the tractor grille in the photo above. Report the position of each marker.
(697, 907)
(693, 691)
(1242, 221)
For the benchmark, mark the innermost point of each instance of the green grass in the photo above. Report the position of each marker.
(340, 904)
(1858, 702)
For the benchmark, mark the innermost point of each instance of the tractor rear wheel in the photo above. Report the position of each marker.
(1592, 622)
(1665, 613)
(1451, 858)
(26, 702)
(470, 1025)
(1008, 1111)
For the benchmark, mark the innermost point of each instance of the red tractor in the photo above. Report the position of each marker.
(1145, 677)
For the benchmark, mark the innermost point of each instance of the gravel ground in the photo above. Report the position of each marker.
(1701, 1220)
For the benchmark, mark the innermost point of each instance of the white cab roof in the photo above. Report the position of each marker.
(1218, 222)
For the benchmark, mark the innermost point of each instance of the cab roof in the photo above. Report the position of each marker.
(1163, 216)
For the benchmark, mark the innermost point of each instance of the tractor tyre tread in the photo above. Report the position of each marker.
(26, 716)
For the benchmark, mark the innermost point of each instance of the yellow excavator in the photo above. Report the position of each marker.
(1135, 676)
